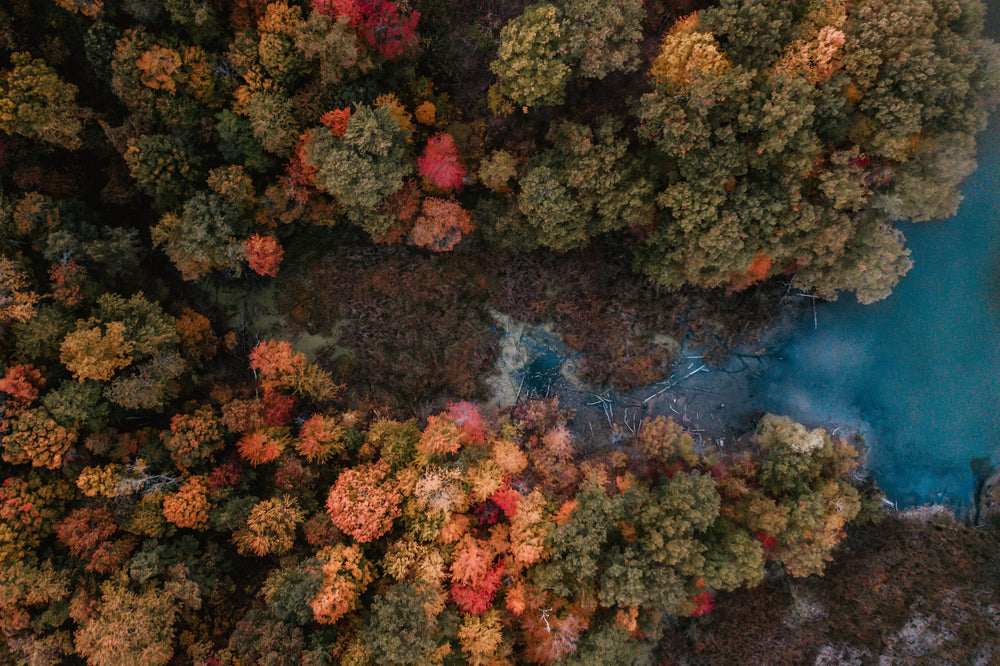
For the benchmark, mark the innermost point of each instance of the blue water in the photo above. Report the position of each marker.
(918, 373)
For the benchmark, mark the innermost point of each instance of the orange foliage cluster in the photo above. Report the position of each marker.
(197, 339)
(67, 278)
(475, 577)
(756, 272)
(194, 436)
(346, 574)
(274, 359)
(320, 438)
(188, 507)
(364, 502)
(261, 447)
(264, 254)
(441, 225)
(87, 533)
(159, 65)
(270, 527)
(243, 415)
(441, 436)
(17, 302)
(21, 383)
(336, 120)
(278, 408)
(36, 438)
(90, 353)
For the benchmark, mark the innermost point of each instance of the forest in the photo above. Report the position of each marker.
(253, 255)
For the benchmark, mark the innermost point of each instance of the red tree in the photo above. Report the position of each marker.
(379, 23)
(439, 162)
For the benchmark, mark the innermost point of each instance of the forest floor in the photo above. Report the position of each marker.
(710, 394)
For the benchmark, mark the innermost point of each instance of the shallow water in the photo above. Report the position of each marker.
(918, 373)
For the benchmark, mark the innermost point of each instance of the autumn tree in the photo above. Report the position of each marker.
(188, 507)
(93, 353)
(21, 383)
(198, 342)
(128, 628)
(35, 438)
(439, 163)
(330, 41)
(270, 527)
(17, 301)
(441, 225)
(381, 24)
(364, 501)
(29, 510)
(282, 369)
(87, 533)
(346, 574)
(133, 334)
(30, 593)
(263, 254)
(320, 438)
(194, 436)
(262, 446)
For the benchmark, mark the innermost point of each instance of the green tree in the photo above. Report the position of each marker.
(237, 143)
(364, 167)
(586, 184)
(36, 103)
(604, 35)
(532, 63)
(288, 591)
(164, 167)
(398, 630)
(202, 237)
(796, 138)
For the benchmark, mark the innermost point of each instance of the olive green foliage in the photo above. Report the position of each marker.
(288, 591)
(364, 167)
(334, 46)
(273, 123)
(604, 35)
(532, 64)
(39, 338)
(77, 406)
(203, 236)
(237, 143)
(803, 471)
(163, 167)
(784, 124)
(397, 630)
(36, 103)
(543, 47)
(586, 184)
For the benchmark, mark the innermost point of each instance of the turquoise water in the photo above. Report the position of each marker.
(918, 373)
